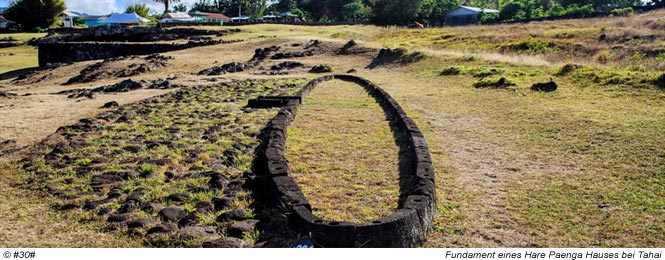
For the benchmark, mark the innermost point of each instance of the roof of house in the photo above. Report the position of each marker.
(5, 20)
(178, 15)
(131, 18)
(212, 16)
(461, 10)
(72, 14)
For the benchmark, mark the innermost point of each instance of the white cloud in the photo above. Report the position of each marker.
(97, 7)
(110, 6)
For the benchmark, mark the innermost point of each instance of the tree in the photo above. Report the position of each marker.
(166, 3)
(180, 8)
(397, 12)
(35, 13)
(140, 9)
(356, 11)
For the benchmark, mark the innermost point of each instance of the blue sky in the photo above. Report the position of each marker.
(109, 6)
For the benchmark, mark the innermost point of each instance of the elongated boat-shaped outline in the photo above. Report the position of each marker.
(406, 227)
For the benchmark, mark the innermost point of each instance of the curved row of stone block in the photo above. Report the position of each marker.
(404, 228)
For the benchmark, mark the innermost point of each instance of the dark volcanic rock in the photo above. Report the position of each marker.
(197, 233)
(140, 223)
(172, 214)
(222, 203)
(111, 104)
(545, 86)
(238, 229)
(165, 227)
(238, 214)
(227, 242)
(321, 69)
(218, 181)
(287, 65)
(178, 197)
(203, 206)
(115, 218)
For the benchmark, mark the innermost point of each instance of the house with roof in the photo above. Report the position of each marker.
(467, 15)
(210, 17)
(4, 23)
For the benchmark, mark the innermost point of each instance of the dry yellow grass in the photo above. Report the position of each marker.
(580, 167)
(342, 153)
(28, 220)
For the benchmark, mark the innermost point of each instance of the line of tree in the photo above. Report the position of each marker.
(37, 14)
(407, 11)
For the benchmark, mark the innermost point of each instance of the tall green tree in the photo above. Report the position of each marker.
(167, 4)
(356, 11)
(140, 9)
(35, 13)
(396, 11)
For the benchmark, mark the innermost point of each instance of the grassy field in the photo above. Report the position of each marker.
(583, 166)
(19, 57)
(343, 154)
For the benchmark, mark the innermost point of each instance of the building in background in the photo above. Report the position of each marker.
(467, 15)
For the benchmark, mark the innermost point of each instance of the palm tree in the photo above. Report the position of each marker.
(167, 3)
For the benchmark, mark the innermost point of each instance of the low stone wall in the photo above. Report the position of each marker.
(406, 227)
(68, 52)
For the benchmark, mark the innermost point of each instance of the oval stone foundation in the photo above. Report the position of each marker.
(342, 153)
(405, 227)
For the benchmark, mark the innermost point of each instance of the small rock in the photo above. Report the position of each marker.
(203, 206)
(238, 229)
(140, 223)
(137, 197)
(115, 218)
(153, 207)
(222, 203)
(238, 214)
(189, 220)
(197, 233)
(128, 207)
(103, 211)
(111, 104)
(172, 214)
(545, 87)
(218, 181)
(114, 194)
(226, 242)
(178, 197)
(90, 205)
(320, 69)
(165, 227)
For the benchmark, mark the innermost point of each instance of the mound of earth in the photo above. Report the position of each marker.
(120, 68)
(399, 56)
